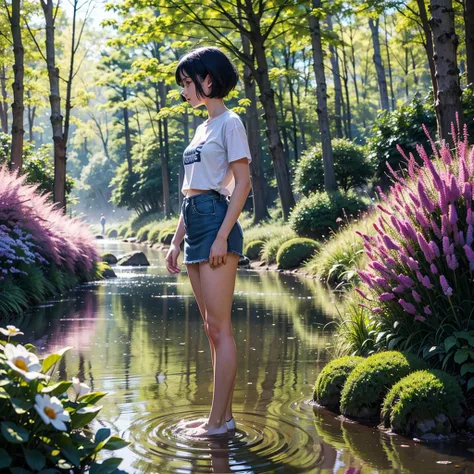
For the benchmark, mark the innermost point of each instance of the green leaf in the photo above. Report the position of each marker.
(49, 471)
(102, 434)
(462, 335)
(470, 384)
(450, 342)
(30, 348)
(50, 360)
(57, 389)
(91, 398)
(115, 442)
(83, 416)
(73, 454)
(35, 459)
(21, 406)
(465, 368)
(107, 467)
(14, 433)
(460, 356)
(19, 470)
(5, 459)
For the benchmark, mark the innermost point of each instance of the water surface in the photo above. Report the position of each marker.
(140, 337)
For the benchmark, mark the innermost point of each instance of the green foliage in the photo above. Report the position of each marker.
(272, 245)
(456, 354)
(44, 423)
(124, 229)
(368, 383)
(264, 231)
(296, 251)
(328, 387)
(143, 232)
(431, 397)
(166, 235)
(351, 167)
(314, 216)
(253, 249)
(13, 299)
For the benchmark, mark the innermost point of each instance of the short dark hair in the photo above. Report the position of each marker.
(208, 60)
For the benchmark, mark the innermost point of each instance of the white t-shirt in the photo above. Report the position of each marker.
(216, 143)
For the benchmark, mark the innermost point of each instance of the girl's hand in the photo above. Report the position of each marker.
(172, 259)
(218, 253)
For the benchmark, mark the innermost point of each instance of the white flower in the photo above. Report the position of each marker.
(11, 331)
(52, 411)
(79, 387)
(22, 361)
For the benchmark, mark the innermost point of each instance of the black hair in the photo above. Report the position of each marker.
(208, 60)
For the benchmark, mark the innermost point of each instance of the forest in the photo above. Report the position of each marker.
(91, 112)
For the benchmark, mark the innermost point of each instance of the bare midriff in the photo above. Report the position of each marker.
(193, 192)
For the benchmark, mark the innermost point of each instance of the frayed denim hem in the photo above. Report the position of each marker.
(206, 259)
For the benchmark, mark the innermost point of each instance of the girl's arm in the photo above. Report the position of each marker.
(179, 233)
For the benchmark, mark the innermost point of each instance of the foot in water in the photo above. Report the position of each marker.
(205, 431)
(196, 424)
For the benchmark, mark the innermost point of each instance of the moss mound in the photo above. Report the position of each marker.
(296, 251)
(424, 402)
(109, 258)
(112, 233)
(166, 235)
(368, 383)
(253, 249)
(328, 387)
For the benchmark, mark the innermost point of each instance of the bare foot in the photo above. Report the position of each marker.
(205, 431)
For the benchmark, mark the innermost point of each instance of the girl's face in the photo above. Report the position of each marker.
(189, 90)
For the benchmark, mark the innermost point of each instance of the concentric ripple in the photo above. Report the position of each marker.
(262, 443)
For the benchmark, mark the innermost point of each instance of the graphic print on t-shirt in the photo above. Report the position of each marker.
(193, 155)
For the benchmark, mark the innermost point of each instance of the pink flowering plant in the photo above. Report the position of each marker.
(45, 423)
(419, 287)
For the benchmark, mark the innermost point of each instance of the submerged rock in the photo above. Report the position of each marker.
(244, 261)
(136, 258)
(108, 273)
(99, 236)
(109, 258)
(113, 234)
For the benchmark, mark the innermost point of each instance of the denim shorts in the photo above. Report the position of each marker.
(203, 215)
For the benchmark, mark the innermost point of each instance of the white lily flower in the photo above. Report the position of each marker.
(22, 361)
(10, 331)
(79, 387)
(51, 410)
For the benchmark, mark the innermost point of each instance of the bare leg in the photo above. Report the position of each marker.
(194, 277)
(217, 285)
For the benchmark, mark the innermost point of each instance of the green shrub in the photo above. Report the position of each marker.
(12, 298)
(142, 234)
(351, 167)
(367, 385)
(272, 245)
(124, 229)
(43, 428)
(327, 390)
(423, 402)
(296, 251)
(263, 231)
(112, 233)
(314, 216)
(166, 236)
(109, 258)
(253, 249)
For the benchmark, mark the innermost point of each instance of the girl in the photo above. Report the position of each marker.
(216, 165)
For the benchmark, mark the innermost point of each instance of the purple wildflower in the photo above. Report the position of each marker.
(434, 248)
(391, 245)
(361, 293)
(452, 262)
(436, 229)
(416, 296)
(420, 318)
(426, 202)
(412, 263)
(469, 253)
(433, 269)
(386, 297)
(453, 215)
(421, 218)
(377, 309)
(408, 307)
(405, 280)
(427, 310)
(426, 249)
(447, 290)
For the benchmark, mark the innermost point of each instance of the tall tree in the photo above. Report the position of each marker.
(321, 94)
(337, 82)
(445, 41)
(379, 67)
(469, 32)
(18, 90)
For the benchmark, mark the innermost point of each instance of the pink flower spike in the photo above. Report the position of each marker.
(427, 310)
(469, 253)
(408, 307)
(391, 245)
(377, 309)
(412, 263)
(447, 290)
(434, 248)
(433, 269)
(420, 318)
(361, 293)
(453, 215)
(416, 296)
(386, 297)
(436, 229)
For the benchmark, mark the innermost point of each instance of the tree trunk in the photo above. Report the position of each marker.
(413, 66)
(3, 101)
(267, 97)
(389, 64)
(353, 62)
(469, 31)
(31, 118)
(445, 42)
(59, 191)
(18, 90)
(381, 79)
(321, 93)
(289, 65)
(346, 89)
(337, 84)
(126, 124)
(428, 44)
(165, 155)
(260, 211)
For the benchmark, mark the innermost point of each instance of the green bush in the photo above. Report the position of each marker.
(43, 428)
(253, 249)
(328, 387)
(124, 229)
(314, 216)
(427, 401)
(296, 251)
(166, 236)
(272, 245)
(367, 385)
(143, 232)
(351, 167)
(112, 233)
(109, 258)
